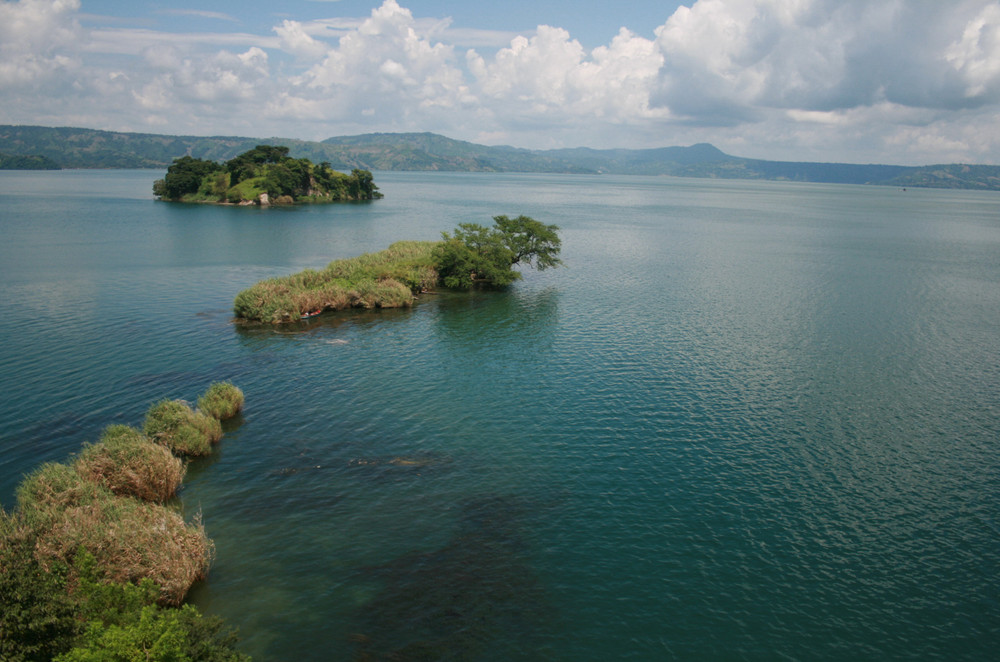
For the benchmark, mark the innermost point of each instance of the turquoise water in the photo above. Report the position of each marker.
(748, 420)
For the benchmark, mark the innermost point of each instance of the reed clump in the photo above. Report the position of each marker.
(184, 431)
(130, 539)
(127, 463)
(386, 279)
(222, 400)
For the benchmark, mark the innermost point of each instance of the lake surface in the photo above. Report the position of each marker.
(747, 421)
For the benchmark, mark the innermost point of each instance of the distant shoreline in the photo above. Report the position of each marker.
(427, 152)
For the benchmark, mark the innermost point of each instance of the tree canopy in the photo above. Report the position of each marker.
(265, 169)
(478, 255)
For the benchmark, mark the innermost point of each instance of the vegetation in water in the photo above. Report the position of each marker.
(184, 431)
(265, 174)
(126, 462)
(387, 279)
(222, 400)
(472, 256)
(94, 567)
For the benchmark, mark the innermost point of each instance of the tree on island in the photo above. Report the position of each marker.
(477, 255)
(264, 173)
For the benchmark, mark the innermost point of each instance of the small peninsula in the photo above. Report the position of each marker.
(264, 175)
(97, 559)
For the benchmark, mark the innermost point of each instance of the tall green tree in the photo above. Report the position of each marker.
(474, 254)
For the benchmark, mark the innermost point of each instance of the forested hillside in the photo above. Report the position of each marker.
(88, 148)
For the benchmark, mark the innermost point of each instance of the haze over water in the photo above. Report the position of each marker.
(748, 420)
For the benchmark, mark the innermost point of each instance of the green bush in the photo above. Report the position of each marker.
(222, 400)
(126, 462)
(37, 617)
(184, 431)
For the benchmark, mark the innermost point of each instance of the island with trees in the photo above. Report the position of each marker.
(264, 175)
(472, 256)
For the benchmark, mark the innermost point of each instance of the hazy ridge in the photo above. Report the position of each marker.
(89, 148)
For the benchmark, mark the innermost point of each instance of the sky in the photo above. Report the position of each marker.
(910, 82)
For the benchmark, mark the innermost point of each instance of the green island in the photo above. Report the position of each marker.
(96, 560)
(471, 256)
(264, 175)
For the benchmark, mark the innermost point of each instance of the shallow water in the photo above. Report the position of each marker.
(748, 420)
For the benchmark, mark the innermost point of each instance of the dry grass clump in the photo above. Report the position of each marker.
(184, 431)
(130, 539)
(222, 400)
(387, 279)
(126, 462)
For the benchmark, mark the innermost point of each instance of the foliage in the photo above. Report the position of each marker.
(45, 617)
(264, 169)
(222, 400)
(476, 255)
(126, 462)
(387, 279)
(184, 431)
(27, 162)
(37, 617)
(157, 635)
(184, 176)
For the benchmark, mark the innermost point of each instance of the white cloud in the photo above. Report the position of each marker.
(385, 68)
(32, 35)
(894, 80)
(976, 55)
(296, 40)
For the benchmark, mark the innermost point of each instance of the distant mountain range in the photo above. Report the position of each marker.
(89, 148)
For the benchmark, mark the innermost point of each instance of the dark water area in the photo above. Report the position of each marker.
(747, 421)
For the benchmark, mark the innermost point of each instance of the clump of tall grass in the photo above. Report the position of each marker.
(184, 431)
(222, 400)
(130, 539)
(127, 463)
(386, 279)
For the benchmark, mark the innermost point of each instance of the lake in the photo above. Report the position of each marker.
(746, 421)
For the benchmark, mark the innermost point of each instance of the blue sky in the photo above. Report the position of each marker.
(887, 81)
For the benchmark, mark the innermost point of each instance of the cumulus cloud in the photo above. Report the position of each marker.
(32, 35)
(295, 39)
(384, 68)
(896, 80)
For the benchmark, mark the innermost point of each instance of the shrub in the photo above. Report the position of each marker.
(126, 462)
(158, 634)
(222, 400)
(184, 431)
(37, 618)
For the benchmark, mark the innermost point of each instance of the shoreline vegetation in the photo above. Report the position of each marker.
(471, 256)
(263, 176)
(96, 558)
